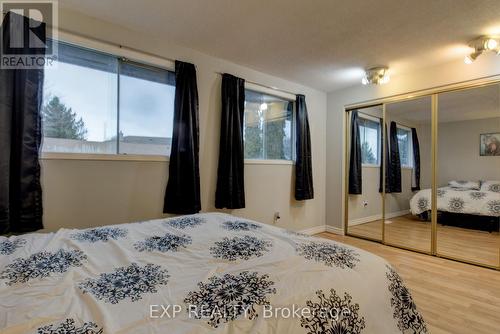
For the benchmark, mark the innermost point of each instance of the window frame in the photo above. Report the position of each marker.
(379, 132)
(123, 53)
(411, 164)
(285, 96)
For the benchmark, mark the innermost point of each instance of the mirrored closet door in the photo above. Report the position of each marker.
(468, 175)
(424, 173)
(364, 197)
(408, 195)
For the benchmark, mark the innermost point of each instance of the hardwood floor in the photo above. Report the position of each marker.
(453, 297)
(409, 231)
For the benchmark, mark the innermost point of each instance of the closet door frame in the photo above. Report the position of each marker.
(434, 94)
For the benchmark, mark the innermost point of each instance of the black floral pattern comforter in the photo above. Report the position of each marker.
(197, 274)
(457, 200)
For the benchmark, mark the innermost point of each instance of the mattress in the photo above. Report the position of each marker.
(457, 200)
(205, 273)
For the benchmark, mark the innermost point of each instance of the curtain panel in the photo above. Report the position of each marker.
(304, 188)
(415, 185)
(230, 192)
(355, 167)
(21, 93)
(182, 195)
(385, 163)
(395, 161)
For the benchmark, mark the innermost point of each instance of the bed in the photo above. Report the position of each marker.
(197, 274)
(479, 206)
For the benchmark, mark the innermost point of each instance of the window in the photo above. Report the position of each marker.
(146, 110)
(405, 146)
(98, 103)
(369, 128)
(267, 126)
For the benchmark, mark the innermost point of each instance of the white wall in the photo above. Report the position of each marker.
(456, 72)
(458, 151)
(89, 193)
(395, 203)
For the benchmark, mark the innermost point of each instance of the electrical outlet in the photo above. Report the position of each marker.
(276, 217)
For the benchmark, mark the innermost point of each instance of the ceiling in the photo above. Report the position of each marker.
(321, 43)
(461, 105)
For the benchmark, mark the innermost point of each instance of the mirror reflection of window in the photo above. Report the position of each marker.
(407, 209)
(369, 130)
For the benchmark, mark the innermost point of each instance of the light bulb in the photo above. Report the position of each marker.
(385, 79)
(263, 106)
(364, 81)
(491, 44)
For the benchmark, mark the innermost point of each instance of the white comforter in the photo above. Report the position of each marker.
(474, 202)
(206, 273)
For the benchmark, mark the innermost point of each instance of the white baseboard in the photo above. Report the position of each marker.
(335, 230)
(322, 228)
(368, 219)
(314, 230)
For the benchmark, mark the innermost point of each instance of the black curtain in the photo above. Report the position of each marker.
(355, 156)
(384, 146)
(303, 165)
(21, 92)
(230, 191)
(394, 162)
(182, 195)
(416, 161)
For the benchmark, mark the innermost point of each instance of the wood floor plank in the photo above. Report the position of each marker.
(453, 297)
(462, 243)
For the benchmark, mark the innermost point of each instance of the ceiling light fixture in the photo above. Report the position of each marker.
(481, 45)
(376, 76)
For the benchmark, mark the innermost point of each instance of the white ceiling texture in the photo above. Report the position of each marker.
(324, 44)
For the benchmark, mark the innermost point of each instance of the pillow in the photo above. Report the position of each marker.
(469, 185)
(493, 186)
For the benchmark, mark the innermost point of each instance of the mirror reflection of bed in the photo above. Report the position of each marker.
(468, 176)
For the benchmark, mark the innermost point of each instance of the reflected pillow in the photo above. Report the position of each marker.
(470, 185)
(493, 186)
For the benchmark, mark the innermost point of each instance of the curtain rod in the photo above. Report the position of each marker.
(121, 46)
(265, 86)
(110, 43)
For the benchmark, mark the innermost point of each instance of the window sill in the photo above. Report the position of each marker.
(268, 162)
(370, 166)
(103, 157)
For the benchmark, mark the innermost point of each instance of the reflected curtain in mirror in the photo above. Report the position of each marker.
(355, 166)
(415, 179)
(394, 161)
(230, 192)
(182, 195)
(385, 165)
(21, 92)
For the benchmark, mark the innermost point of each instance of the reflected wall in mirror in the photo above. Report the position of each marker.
(407, 207)
(468, 180)
(364, 202)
